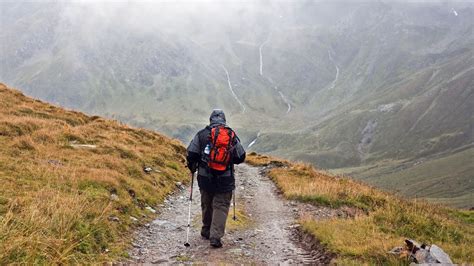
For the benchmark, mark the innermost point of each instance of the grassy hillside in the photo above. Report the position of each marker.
(381, 220)
(446, 179)
(72, 185)
(401, 136)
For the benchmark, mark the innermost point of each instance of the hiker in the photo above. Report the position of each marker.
(213, 152)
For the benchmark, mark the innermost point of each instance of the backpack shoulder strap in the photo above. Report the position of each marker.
(216, 135)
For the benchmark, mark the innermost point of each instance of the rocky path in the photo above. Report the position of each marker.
(270, 236)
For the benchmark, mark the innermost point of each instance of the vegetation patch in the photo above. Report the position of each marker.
(65, 205)
(385, 221)
(242, 220)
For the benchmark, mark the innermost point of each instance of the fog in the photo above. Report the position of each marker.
(200, 20)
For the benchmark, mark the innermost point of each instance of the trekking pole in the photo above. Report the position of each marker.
(233, 197)
(189, 211)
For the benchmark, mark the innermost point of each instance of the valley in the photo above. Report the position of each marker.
(380, 91)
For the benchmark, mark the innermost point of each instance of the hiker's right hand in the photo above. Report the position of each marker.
(192, 167)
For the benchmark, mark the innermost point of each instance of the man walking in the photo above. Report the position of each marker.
(213, 152)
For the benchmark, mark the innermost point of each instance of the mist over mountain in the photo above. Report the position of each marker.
(383, 91)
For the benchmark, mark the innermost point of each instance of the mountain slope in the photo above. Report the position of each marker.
(379, 85)
(71, 183)
(381, 137)
(74, 188)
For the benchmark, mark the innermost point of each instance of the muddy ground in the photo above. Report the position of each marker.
(270, 235)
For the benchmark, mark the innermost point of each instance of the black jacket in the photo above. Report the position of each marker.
(209, 180)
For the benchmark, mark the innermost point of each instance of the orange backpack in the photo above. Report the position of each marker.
(221, 139)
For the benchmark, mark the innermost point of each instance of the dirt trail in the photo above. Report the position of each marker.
(271, 237)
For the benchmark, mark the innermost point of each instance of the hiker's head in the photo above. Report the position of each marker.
(217, 117)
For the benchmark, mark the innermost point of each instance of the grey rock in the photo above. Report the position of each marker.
(165, 224)
(147, 169)
(142, 251)
(114, 219)
(158, 261)
(83, 146)
(150, 209)
(236, 251)
(179, 185)
(440, 255)
(114, 197)
(292, 226)
(396, 250)
(424, 256)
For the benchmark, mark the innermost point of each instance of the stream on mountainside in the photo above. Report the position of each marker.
(333, 83)
(282, 96)
(232, 90)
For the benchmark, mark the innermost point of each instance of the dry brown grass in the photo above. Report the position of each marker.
(55, 200)
(385, 221)
(303, 182)
(264, 160)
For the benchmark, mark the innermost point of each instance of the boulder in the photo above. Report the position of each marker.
(422, 253)
(439, 254)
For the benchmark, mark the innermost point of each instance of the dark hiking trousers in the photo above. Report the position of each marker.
(215, 208)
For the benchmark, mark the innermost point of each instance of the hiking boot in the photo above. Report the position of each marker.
(216, 243)
(205, 235)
